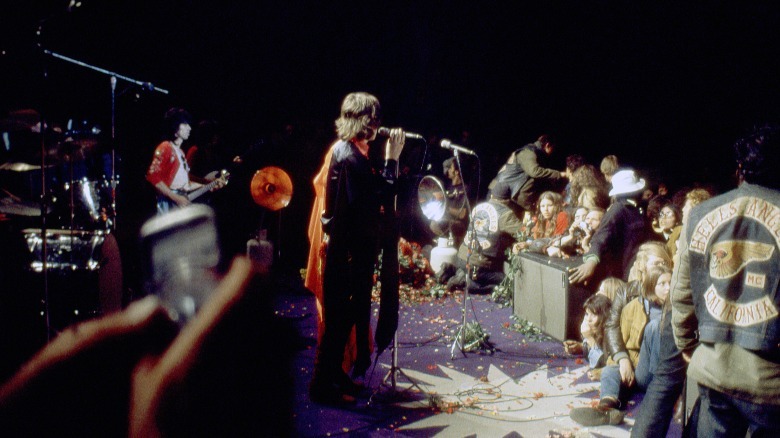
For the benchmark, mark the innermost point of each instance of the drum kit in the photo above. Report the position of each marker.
(58, 196)
(79, 189)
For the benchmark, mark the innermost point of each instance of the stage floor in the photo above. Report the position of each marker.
(524, 388)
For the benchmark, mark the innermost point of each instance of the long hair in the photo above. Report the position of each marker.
(359, 118)
(546, 227)
(592, 198)
(610, 286)
(647, 249)
(599, 305)
(588, 177)
(651, 280)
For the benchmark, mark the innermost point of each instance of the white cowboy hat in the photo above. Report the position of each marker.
(625, 181)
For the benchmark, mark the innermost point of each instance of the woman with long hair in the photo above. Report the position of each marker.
(551, 219)
(649, 256)
(593, 345)
(639, 327)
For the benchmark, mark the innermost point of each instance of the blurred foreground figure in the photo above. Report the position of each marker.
(123, 376)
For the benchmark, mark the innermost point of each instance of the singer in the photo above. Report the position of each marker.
(356, 196)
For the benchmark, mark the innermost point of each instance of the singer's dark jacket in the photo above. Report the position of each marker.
(356, 195)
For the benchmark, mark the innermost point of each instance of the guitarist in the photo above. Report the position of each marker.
(169, 171)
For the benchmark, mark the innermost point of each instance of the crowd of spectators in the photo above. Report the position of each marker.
(626, 231)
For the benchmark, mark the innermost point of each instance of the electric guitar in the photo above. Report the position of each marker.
(219, 182)
(192, 195)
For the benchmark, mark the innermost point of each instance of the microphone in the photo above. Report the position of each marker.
(446, 144)
(385, 132)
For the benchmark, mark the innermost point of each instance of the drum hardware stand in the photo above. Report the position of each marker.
(42, 52)
(44, 197)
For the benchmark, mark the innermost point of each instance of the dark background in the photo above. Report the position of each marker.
(667, 89)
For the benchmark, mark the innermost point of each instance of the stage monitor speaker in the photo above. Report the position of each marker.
(543, 295)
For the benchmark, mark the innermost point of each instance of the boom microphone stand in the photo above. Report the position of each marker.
(113, 76)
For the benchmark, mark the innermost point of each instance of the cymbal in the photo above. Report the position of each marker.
(20, 167)
(272, 188)
(76, 148)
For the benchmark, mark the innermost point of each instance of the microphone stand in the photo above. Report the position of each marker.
(395, 371)
(113, 152)
(44, 197)
(460, 337)
(113, 78)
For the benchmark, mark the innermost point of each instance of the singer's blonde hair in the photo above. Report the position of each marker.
(360, 114)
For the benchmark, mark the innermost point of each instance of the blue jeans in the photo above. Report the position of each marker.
(657, 408)
(610, 382)
(648, 354)
(612, 386)
(722, 415)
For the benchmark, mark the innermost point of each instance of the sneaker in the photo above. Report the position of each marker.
(599, 416)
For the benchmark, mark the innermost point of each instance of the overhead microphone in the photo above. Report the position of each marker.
(385, 132)
(447, 144)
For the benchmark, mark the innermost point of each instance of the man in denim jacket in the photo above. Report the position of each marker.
(726, 296)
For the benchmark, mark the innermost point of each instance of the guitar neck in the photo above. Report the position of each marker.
(195, 194)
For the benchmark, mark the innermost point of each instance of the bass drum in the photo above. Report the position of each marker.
(84, 272)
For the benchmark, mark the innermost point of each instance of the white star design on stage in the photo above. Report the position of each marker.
(496, 405)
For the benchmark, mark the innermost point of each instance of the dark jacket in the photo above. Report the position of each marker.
(614, 244)
(733, 243)
(495, 225)
(355, 193)
(527, 175)
(613, 335)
